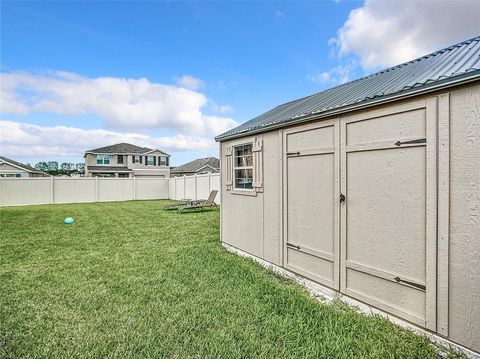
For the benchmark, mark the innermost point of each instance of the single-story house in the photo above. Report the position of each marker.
(370, 189)
(199, 166)
(11, 168)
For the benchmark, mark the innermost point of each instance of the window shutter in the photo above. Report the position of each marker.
(167, 159)
(140, 159)
(228, 168)
(154, 160)
(257, 165)
(146, 160)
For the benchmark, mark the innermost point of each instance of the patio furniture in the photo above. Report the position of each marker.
(176, 205)
(200, 204)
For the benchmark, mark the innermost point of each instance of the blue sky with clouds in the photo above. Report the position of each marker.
(172, 75)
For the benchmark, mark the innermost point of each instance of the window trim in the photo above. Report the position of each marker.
(252, 167)
(147, 160)
(162, 163)
(134, 159)
(103, 159)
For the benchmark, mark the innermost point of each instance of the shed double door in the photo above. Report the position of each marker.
(360, 208)
(311, 200)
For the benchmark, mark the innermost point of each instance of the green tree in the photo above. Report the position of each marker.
(52, 165)
(42, 166)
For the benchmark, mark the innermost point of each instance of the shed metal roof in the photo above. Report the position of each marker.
(455, 63)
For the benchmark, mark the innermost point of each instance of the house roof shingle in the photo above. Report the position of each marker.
(22, 166)
(121, 148)
(196, 165)
(452, 64)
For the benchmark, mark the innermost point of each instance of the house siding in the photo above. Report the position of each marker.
(139, 169)
(5, 168)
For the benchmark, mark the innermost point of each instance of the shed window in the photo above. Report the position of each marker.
(103, 159)
(243, 166)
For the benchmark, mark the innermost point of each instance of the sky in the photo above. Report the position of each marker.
(172, 75)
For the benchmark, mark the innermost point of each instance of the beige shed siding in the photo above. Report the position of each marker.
(252, 222)
(255, 224)
(242, 223)
(464, 283)
(272, 152)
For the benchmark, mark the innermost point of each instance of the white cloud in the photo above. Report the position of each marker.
(29, 140)
(127, 104)
(189, 82)
(338, 75)
(386, 33)
(222, 109)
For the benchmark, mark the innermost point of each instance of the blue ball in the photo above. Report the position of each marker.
(68, 220)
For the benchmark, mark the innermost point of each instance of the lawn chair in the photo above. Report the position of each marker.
(176, 205)
(201, 204)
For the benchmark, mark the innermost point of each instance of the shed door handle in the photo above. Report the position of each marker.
(293, 153)
(420, 140)
(413, 284)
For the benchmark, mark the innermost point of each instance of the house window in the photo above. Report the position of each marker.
(163, 160)
(137, 159)
(120, 159)
(103, 159)
(150, 161)
(243, 166)
(11, 175)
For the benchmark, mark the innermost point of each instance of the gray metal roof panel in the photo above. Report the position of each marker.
(441, 67)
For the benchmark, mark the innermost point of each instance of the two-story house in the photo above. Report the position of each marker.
(126, 160)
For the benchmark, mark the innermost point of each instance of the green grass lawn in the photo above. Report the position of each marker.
(128, 280)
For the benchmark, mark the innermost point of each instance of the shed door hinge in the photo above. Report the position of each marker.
(420, 140)
(293, 153)
(293, 246)
(413, 284)
(342, 197)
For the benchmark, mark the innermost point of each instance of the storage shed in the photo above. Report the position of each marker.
(372, 189)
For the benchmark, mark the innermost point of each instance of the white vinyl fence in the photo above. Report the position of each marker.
(49, 190)
(194, 187)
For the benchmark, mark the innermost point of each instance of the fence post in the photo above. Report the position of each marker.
(134, 188)
(52, 189)
(96, 189)
(209, 184)
(184, 186)
(196, 190)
